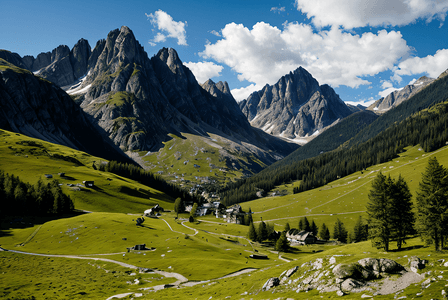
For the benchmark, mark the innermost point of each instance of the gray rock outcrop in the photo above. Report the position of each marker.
(399, 96)
(296, 106)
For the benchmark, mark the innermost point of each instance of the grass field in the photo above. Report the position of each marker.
(31, 159)
(204, 252)
(194, 159)
(345, 198)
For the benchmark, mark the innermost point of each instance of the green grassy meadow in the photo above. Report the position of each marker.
(31, 159)
(190, 159)
(204, 252)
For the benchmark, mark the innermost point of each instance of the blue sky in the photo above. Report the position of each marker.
(364, 49)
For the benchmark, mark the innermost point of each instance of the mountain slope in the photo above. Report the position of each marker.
(397, 97)
(296, 106)
(141, 103)
(37, 108)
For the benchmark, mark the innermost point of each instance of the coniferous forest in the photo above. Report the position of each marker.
(20, 198)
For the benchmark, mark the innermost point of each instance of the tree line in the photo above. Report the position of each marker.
(429, 128)
(149, 179)
(21, 198)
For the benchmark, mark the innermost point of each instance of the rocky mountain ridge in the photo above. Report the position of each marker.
(295, 107)
(399, 96)
(36, 107)
(138, 101)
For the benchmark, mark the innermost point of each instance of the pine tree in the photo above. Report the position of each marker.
(402, 218)
(282, 244)
(314, 228)
(300, 225)
(324, 232)
(360, 231)
(287, 227)
(306, 225)
(252, 234)
(340, 233)
(378, 209)
(262, 233)
(432, 204)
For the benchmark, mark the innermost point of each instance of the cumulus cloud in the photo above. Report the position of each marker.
(432, 65)
(360, 13)
(264, 53)
(168, 28)
(388, 88)
(203, 71)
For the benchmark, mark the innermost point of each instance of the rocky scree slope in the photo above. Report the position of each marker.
(36, 107)
(296, 106)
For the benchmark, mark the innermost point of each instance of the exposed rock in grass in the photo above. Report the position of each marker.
(272, 282)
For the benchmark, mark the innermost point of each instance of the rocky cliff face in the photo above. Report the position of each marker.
(397, 97)
(138, 101)
(37, 108)
(296, 106)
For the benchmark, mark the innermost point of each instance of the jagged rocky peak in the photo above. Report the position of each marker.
(79, 58)
(295, 107)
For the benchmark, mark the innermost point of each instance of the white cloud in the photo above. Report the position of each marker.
(278, 9)
(203, 71)
(242, 93)
(363, 102)
(265, 53)
(432, 65)
(388, 88)
(360, 13)
(168, 27)
(214, 32)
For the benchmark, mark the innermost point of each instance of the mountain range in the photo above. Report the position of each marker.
(137, 101)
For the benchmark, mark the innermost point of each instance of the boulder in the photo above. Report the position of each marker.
(370, 263)
(351, 284)
(290, 272)
(272, 282)
(347, 271)
(390, 266)
(416, 264)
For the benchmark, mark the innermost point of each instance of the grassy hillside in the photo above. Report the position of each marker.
(345, 198)
(31, 159)
(192, 159)
(206, 250)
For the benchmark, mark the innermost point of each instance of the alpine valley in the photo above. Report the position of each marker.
(122, 177)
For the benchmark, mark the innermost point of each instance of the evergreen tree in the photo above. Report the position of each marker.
(324, 232)
(282, 244)
(252, 234)
(360, 232)
(378, 209)
(340, 233)
(287, 227)
(432, 204)
(262, 233)
(314, 228)
(402, 218)
(270, 231)
(300, 225)
(306, 225)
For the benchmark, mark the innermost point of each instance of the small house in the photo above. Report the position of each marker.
(88, 183)
(301, 237)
